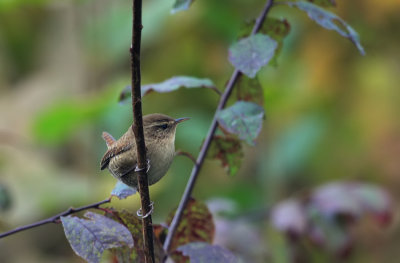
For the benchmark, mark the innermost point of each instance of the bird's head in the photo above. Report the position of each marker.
(160, 126)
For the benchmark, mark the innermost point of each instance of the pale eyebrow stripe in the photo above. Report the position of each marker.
(161, 123)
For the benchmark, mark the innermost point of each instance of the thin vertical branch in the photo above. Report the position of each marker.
(137, 128)
(208, 140)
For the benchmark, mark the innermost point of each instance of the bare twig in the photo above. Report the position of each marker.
(186, 154)
(137, 128)
(54, 219)
(216, 90)
(207, 142)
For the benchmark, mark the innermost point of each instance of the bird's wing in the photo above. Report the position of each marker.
(112, 152)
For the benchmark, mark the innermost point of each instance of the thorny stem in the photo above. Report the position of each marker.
(137, 127)
(54, 219)
(208, 140)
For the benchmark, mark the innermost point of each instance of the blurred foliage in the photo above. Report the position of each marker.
(330, 114)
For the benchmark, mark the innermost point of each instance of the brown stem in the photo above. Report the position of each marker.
(54, 219)
(137, 128)
(186, 154)
(207, 142)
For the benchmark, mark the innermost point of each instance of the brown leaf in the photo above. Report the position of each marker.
(196, 225)
(229, 151)
(134, 225)
(248, 89)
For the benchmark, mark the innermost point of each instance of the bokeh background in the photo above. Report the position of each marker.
(332, 114)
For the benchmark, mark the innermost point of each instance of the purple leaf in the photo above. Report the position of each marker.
(289, 216)
(181, 5)
(275, 28)
(244, 119)
(171, 84)
(329, 234)
(329, 21)
(122, 191)
(200, 252)
(249, 54)
(324, 3)
(89, 238)
(352, 199)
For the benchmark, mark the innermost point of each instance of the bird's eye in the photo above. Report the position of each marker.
(163, 126)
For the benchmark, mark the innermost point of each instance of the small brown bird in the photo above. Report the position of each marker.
(121, 156)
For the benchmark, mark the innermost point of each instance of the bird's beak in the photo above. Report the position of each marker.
(181, 120)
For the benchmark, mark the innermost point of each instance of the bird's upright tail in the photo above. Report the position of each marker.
(108, 138)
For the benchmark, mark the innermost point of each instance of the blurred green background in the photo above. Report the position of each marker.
(332, 114)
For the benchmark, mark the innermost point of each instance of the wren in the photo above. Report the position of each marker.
(121, 155)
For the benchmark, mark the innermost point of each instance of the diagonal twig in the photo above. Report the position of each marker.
(200, 159)
(55, 218)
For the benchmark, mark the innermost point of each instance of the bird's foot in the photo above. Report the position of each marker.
(137, 169)
(139, 212)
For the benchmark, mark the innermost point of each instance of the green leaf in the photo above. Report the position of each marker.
(250, 54)
(248, 89)
(169, 85)
(196, 225)
(137, 254)
(89, 238)
(200, 252)
(277, 29)
(181, 5)
(243, 119)
(122, 191)
(329, 21)
(229, 151)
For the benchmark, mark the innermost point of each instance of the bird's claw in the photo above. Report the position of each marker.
(137, 169)
(139, 212)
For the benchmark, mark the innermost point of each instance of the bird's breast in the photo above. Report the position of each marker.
(160, 161)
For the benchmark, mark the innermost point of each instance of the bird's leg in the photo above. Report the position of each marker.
(139, 212)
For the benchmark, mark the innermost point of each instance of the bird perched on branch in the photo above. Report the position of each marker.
(121, 156)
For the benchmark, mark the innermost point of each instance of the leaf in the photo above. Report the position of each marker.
(122, 190)
(248, 89)
(137, 254)
(169, 85)
(289, 216)
(249, 54)
(200, 252)
(352, 200)
(181, 5)
(196, 225)
(329, 234)
(329, 21)
(244, 119)
(229, 151)
(277, 29)
(324, 3)
(89, 238)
